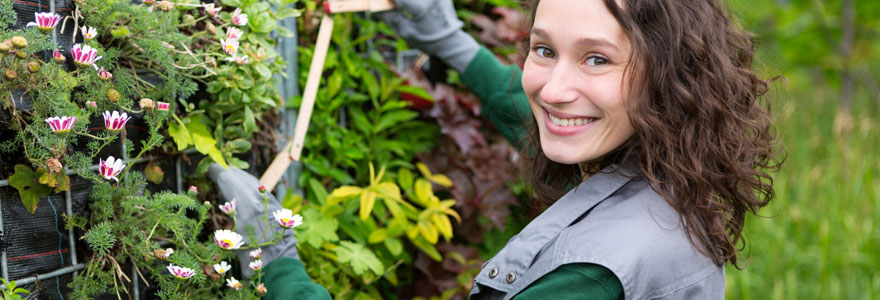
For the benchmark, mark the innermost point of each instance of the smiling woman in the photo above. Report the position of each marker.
(574, 80)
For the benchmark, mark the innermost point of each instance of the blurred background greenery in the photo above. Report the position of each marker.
(820, 237)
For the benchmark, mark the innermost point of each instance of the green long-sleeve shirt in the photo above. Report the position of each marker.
(499, 88)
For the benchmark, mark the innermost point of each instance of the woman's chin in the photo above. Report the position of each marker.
(563, 157)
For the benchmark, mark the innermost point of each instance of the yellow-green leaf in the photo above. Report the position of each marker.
(443, 225)
(387, 190)
(405, 178)
(394, 246)
(378, 235)
(441, 180)
(428, 231)
(423, 191)
(343, 193)
(423, 169)
(368, 199)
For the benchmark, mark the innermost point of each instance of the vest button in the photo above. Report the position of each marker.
(493, 272)
(511, 277)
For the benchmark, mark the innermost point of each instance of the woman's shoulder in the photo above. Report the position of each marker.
(637, 235)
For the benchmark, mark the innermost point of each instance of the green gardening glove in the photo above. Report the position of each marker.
(433, 27)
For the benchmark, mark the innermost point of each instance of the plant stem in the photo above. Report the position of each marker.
(266, 211)
(94, 137)
(153, 230)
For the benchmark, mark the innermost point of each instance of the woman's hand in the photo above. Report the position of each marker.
(433, 27)
(244, 188)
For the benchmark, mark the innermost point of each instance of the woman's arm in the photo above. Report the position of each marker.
(499, 88)
(286, 278)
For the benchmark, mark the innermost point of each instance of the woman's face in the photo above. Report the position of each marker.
(573, 77)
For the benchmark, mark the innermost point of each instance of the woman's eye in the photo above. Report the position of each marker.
(544, 52)
(597, 61)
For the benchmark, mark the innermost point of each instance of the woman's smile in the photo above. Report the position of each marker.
(565, 124)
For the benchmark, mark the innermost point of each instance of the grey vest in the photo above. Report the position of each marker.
(613, 220)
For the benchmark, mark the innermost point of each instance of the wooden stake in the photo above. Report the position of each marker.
(357, 5)
(293, 149)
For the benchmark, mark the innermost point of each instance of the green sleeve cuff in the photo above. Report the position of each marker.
(286, 278)
(575, 281)
(499, 88)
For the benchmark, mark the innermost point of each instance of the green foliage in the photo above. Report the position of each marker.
(27, 182)
(10, 292)
(101, 238)
(7, 14)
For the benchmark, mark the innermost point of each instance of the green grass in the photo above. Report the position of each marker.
(820, 237)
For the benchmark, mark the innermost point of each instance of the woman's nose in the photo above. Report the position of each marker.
(561, 86)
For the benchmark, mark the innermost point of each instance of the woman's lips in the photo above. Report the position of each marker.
(580, 124)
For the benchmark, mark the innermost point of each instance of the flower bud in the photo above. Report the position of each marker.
(5, 46)
(147, 103)
(211, 28)
(188, 19)
(165, 6)
(261, 289)
(21, 54)
(149, 2)
(92, 104)
(19, 42)
(193, 189)
(113, 95)
(54, 165)
(215, 277)
(159, 254)
(262, 188)
(10, 75)
(33, 67)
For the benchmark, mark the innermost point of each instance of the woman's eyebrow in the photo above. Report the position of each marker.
(581, 42)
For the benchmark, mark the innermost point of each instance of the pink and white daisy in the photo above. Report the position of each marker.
(256, 265)
(233, 283)
(238, 59)
(222, 267)
(181, 272)
(61, 124)
(238, 18)
(162, 105)
(229, 46)
(257, 254)
(233, 33)
(228, 239)
(210, 9)
(84, 55)
(115, 121)
(45, 21)
(286, 218)
(58, 56)
(104, 74)
(228, 207)
(89, 32)
(111, 167)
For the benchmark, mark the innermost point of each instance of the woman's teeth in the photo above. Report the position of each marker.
(571, 122)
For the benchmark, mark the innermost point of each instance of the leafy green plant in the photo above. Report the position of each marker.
(11, 292)
(358, 233)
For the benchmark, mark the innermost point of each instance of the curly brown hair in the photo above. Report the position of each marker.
(704, 137)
